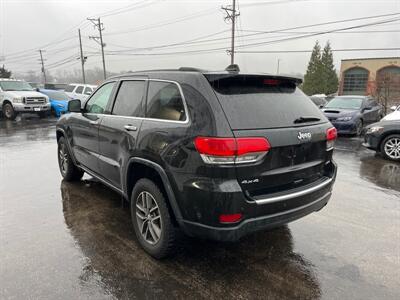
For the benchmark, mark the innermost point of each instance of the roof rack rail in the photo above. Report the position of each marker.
(190, 69)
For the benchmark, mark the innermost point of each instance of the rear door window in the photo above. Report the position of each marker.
(79, 89)
(129, 99)
(164, 101)
(253, 102)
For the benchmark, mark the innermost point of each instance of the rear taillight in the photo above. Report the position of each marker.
(215, 150)
(331, 135)
(233, 218)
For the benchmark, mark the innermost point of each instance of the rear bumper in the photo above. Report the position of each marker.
(345, 127)
(371, 141)
(275, 211)
(255, 224)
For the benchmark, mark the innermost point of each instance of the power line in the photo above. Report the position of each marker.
(128, 8)
(116, 52)
(163, 23)
(282, 30)
(308, 51)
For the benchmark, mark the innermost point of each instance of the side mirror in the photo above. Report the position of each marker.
(74, 105)
(393, 108)
(321, 106)
(367, 108)
(88, 93)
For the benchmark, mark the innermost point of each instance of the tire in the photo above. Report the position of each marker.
(68, 170)
(359, 127)
(9, 112)
(390, 147)
(155, 232)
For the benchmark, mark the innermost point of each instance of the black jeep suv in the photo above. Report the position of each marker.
(216, 155)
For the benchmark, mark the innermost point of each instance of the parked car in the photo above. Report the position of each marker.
(349, 114)
(217, 155)
(55, 86)
(79, 91)
(384, 137)
(17, 96)
(58, 100)
(318, 101)
(394, 115)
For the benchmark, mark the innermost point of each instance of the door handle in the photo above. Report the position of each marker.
(94, 122)
(130, 128)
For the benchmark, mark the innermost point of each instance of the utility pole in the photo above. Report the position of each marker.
(83, 58)
(99, 39)
(232, 14)
(42, 62)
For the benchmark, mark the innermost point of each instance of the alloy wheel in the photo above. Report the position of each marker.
(63, 158)
(7, 111)
(392, 148)
(148, 217)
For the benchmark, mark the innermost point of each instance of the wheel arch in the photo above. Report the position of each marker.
(61, 133)
(6, 101)
(385, 135)
(138, 168)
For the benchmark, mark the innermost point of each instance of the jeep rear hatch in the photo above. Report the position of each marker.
(273, 108)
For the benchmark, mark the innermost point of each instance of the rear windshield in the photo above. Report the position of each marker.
(252, 102)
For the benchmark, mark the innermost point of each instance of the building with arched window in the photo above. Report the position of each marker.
(379, 77)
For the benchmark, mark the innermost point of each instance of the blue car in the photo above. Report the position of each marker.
(349, 114)
(58, 100)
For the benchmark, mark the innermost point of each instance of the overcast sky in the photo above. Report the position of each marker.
(26, 26)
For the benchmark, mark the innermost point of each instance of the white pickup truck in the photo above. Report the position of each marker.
(17, 96)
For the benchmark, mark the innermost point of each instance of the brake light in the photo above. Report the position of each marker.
(214, 150)
(230, 218)
(271, 81)
(331, 135)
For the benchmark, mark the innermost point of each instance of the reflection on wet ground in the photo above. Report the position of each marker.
(61, 240)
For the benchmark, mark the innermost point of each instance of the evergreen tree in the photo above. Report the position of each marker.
(312, 79)
(329, 77)
(4, 73)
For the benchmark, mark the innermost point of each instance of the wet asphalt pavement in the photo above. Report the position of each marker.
(62, 240)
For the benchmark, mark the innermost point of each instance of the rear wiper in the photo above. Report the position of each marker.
(306, 119)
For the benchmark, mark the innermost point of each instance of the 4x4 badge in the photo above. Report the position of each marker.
(304, 136)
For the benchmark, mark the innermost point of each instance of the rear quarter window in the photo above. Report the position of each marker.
(252, 102)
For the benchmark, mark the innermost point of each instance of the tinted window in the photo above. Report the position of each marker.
(345, 103)
(129, 99)
(164, 101)
(70, 88)
(372, 103)
(98, 102)
(79, 89)
(88, 91)
(251, 101)
(56, 95)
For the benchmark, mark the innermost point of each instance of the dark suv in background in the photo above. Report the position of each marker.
(213, 154)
